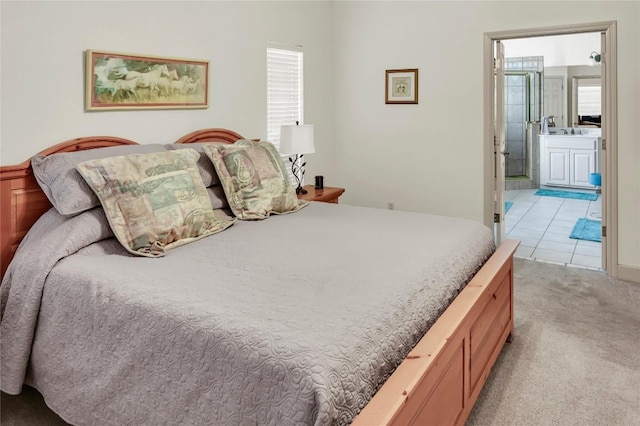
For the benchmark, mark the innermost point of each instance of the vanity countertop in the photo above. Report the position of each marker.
(582, 131)
(570, 136)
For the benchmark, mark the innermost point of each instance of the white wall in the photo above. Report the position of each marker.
(429, 157)
(426, 157)
(568, 73)
(564, 50)
(42, 46)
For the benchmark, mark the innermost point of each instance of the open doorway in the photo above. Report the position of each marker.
(553, 148)
(495, 135)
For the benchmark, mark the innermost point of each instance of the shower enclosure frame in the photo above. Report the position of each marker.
(531, 118)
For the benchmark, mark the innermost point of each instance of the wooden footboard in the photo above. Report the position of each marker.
(441, 378)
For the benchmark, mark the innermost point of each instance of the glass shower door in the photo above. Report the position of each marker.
(523, 92)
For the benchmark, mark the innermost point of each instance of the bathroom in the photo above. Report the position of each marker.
(557, 84)
(552, 135)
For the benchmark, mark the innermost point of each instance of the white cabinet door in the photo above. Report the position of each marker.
(557, 166)
(583, 163)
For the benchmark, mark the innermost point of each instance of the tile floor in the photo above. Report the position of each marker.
(543, 226)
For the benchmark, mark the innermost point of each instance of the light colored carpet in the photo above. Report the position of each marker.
(575, 356)
(574, 360)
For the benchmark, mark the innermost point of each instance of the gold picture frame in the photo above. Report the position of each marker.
(401, 86)
(122, 81)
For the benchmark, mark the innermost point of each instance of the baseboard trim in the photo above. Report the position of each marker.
(628, 273)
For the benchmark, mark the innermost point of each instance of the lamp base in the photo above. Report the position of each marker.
(301, 190)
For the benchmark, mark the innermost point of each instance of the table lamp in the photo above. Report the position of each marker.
(297, 139)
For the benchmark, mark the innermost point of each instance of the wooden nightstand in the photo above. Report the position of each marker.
(326, 195)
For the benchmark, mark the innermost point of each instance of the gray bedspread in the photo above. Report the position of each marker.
(297, 319)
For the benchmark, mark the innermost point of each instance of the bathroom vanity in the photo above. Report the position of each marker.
(568, 160)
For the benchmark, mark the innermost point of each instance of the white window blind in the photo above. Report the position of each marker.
(587, 92)
(284, 90)
(589, 100)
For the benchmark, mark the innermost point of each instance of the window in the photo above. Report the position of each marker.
(589, 100)
(284, 89)
(587, 106)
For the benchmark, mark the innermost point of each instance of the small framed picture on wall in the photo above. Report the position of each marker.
(401, 86)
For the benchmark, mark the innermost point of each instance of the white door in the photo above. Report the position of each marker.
(499, 142)
(554, 99)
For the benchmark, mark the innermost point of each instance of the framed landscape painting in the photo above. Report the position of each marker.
(130, 81)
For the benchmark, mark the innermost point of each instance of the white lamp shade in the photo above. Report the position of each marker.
(296, 139)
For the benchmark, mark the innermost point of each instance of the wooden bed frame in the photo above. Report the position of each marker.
(440, 379)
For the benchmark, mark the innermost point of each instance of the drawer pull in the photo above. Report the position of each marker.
(494, 296)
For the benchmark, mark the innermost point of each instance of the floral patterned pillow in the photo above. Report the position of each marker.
(59, 179)
(254, 179)
(154, 202)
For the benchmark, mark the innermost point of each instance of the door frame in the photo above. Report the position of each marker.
(609, 159)
(499, 142)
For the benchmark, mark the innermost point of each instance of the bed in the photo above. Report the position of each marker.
(318, 332)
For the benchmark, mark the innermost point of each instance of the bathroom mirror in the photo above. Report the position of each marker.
(586, 108)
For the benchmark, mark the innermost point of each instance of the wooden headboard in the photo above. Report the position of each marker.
(211, 135)
(22, 201)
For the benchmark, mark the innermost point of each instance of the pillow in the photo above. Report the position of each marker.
(254, 179)
(64, 187)
(216, 196)
(154, 202)
(207, 172)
